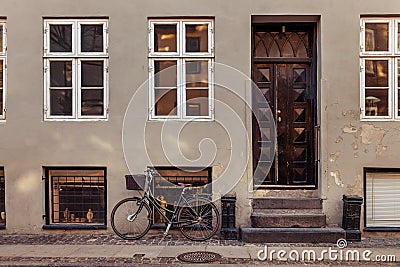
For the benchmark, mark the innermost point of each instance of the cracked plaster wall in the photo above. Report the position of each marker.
(352, 147)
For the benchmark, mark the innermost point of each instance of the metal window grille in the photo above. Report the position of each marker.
(2, 198)
(78, 199)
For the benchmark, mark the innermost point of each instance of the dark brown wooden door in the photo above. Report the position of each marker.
(289, 92)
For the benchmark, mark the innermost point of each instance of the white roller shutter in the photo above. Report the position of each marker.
(383, 199)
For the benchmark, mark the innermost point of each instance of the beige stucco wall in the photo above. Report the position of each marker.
(28, 143)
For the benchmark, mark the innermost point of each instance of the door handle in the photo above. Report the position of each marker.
(279, 117)
(316, 142)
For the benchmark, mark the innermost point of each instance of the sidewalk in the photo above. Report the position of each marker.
(109, 250)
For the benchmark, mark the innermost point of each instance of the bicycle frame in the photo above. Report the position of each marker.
(153, 202)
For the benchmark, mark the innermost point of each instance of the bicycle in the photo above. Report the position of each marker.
(196, 216)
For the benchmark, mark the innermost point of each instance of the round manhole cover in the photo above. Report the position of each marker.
(199, 257)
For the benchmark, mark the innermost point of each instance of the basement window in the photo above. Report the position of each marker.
(382, 198)
(167, 187)
(76, 196)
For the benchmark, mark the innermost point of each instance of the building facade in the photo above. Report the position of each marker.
(96, 90)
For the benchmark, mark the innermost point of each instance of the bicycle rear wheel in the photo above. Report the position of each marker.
(131, 219)
(199, 220)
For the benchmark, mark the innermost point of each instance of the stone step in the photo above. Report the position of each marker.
(291, 235)
(289, 211)
(280, 220)
(287, 203)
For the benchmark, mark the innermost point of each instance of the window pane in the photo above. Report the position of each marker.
(398, 72)
(1, 101)
(77, 196)
(61, 102)
(60, 38)
(166, 102)
(398, 102)
(92, 38)
(376, 36)
(196, 73)
(196, 102)
(398, 37)
(1, 38)
(92, 102)
(196, 38)
(376, 73)
(165, 38)
(398, 87)
(1, 88)
(1, 73)
(92, 73)
(376, 102)
(165, 73)
(60, 73)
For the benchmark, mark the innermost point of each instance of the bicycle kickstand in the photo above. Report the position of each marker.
(167, 229)
(165, 232)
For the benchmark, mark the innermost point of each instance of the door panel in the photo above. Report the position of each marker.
(287, 88)
(263, 154)
(294, 129)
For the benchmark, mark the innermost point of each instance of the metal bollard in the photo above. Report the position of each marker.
(228, 228)
(351, 217)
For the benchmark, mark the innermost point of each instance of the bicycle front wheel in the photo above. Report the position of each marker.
(199, 220)
(131, 219)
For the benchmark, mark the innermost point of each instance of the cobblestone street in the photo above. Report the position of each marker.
(175, 238)
(152, 250)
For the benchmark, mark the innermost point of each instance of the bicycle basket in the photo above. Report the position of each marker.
(135, 182)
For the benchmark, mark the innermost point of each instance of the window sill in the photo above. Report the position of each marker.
(73, 227)
(75, 120)
(192, 119)
(379, 119)
(382, 229)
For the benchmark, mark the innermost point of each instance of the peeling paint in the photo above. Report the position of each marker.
(356, 155)
(339, 140)
(355, 145)
(371, 134)
(336, 176)
(355, 189)
(334, 156)
(351, 113)
(380, 149)
(349, 129)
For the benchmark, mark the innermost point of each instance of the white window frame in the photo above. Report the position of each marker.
(392, 56)
(363, 30)
(47, 88)
(152, 53)
(3, 57)
(76, 56)
(80, 87)
(210, 52)
(390, 90)
(181, 56)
